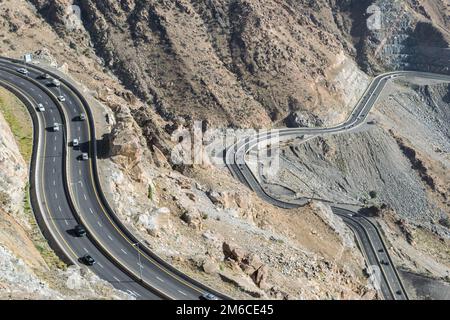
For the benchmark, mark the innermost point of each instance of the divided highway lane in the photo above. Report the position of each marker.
(50, 164)
(370, 240)
(82, 192)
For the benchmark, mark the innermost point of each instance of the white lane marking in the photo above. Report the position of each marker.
(160, 279)
(54, 159)
(54, 148)
(51, 111)
(100, 265)
(90, 209)
(133, 293)
(85, 197)
(85, 250)
(99, 224)
(66, 222)
(123, 251)
(54, 182)
(116, 279)
(56, 196)
(110, 238)
(55, 138)
(136, 293)
(70, 101)
(79, 128)
(54, 171)
(79, 172)
(182, 292)
(31, 88)
(59, 208)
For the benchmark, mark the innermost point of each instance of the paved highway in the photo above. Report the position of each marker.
(67, 193)
(366, 232)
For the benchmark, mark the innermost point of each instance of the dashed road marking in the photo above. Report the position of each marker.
(116, 279)
(160, 279)
(182, 292)
(123, 251)
(110, 238)
(99, 224)
(85, 250)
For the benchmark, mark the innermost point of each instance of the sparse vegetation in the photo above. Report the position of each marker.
(18, 119)
(38, 239)
(151, 192)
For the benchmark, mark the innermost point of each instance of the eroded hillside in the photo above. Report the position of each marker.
(154, 66)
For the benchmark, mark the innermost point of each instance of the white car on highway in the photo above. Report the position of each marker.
(40, 107)
(61, 98)
(75, 143)
(84, 156)
(56, 127)
(22, 71)
(56, 82)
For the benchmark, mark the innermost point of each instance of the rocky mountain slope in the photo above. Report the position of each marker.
(155, 66)
(251, 63)
(28, 267)
(397, 167)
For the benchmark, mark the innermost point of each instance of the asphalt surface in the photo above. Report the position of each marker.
(368, 236)
(68, 195)
(75, 200)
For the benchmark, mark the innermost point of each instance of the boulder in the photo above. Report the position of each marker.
(193, 218)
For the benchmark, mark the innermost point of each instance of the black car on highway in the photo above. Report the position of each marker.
(79, 231)
(88, 260)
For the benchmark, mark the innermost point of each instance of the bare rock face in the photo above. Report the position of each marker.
(259, 277)
(302, 119)
(324, 211)
(243, 283)
(193, 218)
(124, 141)
(156, 221)
(209, 266)
(13, 173)
(249, 263)
(126, 144)
(229, 199)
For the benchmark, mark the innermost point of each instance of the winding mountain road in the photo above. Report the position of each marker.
(390, 285)
(65, 192)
